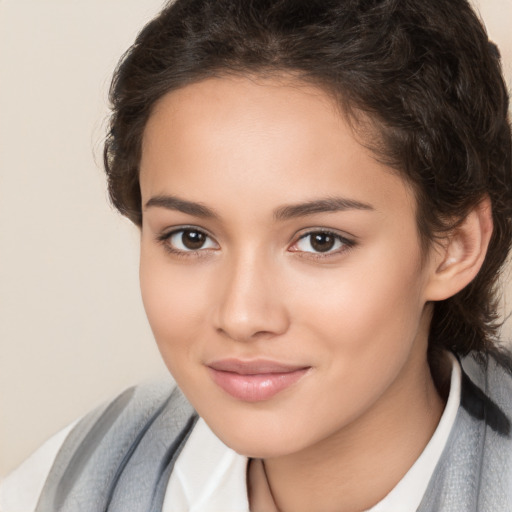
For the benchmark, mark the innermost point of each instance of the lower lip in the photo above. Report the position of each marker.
(255, 388)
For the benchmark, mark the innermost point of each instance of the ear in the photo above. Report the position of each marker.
(456, 261)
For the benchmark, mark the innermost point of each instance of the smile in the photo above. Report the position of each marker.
(254, 381)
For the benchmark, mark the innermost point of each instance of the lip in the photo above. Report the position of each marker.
(256, 380)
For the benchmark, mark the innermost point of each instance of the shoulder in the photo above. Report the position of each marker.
(490, 405)
(487, 380)
(20, 491)
(475, 469)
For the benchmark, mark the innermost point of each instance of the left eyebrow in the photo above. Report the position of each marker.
(330, 204)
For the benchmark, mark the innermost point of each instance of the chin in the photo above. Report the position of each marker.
(260, 450)
(260, 443)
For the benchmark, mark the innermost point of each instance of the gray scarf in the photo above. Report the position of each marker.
(119, 458)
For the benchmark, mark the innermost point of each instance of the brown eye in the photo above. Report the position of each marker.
(192, 239)
(188, 240)
(322, 242)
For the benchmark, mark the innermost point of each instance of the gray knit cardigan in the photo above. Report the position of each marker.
(119, 458)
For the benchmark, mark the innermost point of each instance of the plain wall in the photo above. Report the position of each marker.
(72, 326)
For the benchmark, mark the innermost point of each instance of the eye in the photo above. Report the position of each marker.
(187, 240)
(321, 242)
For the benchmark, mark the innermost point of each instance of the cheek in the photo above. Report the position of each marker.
(364, 325)
(363, 300)
(175, 304)
(365, 322)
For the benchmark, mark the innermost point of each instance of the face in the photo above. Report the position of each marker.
(281, 268)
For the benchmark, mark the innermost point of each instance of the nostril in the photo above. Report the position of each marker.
(251, 329)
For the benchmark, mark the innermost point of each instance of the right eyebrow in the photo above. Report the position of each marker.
(182, 205)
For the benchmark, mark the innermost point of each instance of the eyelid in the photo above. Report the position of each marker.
(164, 237)
(348, 242)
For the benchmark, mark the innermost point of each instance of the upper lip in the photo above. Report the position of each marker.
(254, 367)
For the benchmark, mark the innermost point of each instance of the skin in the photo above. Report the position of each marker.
(342, 436)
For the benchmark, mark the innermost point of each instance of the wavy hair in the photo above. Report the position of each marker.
(422, 71)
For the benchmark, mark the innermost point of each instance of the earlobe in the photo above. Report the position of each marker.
(458, 259)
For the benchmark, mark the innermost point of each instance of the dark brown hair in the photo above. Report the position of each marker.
(423, 71)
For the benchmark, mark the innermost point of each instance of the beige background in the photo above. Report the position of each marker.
(72, 327)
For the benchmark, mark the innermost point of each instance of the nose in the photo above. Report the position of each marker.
(250, 305)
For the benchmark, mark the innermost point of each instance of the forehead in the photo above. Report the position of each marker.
(238, 110)
(235, 141)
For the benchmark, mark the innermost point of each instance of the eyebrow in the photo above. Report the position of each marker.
(182, 205)
(326, 205)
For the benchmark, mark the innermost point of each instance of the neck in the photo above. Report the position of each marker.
(358, 466)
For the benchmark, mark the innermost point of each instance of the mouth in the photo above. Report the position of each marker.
(254, 381)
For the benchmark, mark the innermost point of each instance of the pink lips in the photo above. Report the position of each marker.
(254, 381)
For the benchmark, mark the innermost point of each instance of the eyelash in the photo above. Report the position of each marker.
(346, 244)
(165, 238)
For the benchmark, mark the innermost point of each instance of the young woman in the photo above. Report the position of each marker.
(324, 192)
